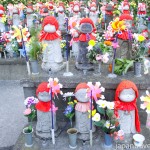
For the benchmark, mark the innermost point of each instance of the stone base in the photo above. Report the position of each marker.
(89, 67)
(54, 67)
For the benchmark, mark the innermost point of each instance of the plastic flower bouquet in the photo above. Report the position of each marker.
(69, 111)
(30, 111)
(98, 52)
(105, 117)
(138, 48)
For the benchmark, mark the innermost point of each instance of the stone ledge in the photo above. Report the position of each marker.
(12, 61)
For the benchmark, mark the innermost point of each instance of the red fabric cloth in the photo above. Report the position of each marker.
(126, 12)
(87, 20)
(49, 36)
(128, 106)
(124, 35)
(75, 39)
(2, 8)
(43, 106)
(83, 37)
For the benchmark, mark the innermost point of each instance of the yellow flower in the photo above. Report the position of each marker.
(44, 46)
(141, 38)
(93, 113)
(4, 19)
(70, 103)
(91, 43)
(75, 101)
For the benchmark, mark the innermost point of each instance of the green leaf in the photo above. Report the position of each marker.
(109, 113)
(99, 123)
(101, 110)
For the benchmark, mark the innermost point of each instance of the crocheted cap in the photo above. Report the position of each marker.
(87, 20)
(81, 86)
(50, 20)
(126, 17)
(42, 87)
(2, 8)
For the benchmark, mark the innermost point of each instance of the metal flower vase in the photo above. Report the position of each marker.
(28, 138)
(137, 69)
(148, 121)
(107, 140)
(72, 133)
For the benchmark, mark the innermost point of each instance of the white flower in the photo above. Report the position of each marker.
(68, 94)
(98, 84)
(61, 93)
(50, 79)
(120, 133)
(142, 106)
(102, 97)
(90, 47)
(148, 111)
(107, 124)
(60, 85)
(102, 89)
(89, 83)
(96, 117)
(147, 93)
(110, 105)
(56, 79)
(112, 127)
(142, 98)
(102, 103)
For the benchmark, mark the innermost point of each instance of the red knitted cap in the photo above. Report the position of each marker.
(2, 8)
(87, 20)
(50, 20)
(42, 87)
(81, 86)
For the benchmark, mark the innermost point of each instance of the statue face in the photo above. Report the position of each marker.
(15, 10)
(93, 8)
(61, 9)
(81, 95)
(29, 10)
(86, 28)
(44, 96)
(126, 7)
(76, 8)
(1, 12)
(129, 23)
(49, 28)
(127, 95)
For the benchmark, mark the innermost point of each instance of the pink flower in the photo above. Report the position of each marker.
(105, 58)
(115, 45)
(27, 111)
(98, 57)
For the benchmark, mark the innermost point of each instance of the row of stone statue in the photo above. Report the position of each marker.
(126, 95)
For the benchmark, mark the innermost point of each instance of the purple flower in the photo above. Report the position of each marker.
(68, 110)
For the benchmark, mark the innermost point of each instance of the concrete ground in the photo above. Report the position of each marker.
(12, 119)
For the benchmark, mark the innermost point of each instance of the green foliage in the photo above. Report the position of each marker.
(122, 66)
(14, 45)
(101, 110)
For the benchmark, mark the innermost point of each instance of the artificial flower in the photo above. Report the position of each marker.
(70, 103)
(141, 38)
(91, 43)
(105, 58)
(75, 101)
(54, 108)
(110, 105)
(102, 103)
(27, 111)
(68, 94)
(108, 43)
(93, 113)
(95, 89)
(107, 124)
(96, 117)
(30, 101)
(90, 47)
(115, 45)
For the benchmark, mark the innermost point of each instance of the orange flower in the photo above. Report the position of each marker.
(108, 43)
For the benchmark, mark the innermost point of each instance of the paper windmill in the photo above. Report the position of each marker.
(96, 91)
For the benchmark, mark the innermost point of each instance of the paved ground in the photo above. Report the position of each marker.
(12, 120)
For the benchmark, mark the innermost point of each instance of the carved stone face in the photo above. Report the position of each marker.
(15, 10)
(61, 9)
(44, 96)
(86, 28)
(29, 10)
(126, 7)
(76, 8)
(127, 95)
(49, 28)
(81, 95)
(129, 23)
(93, 8)
(1, 12)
